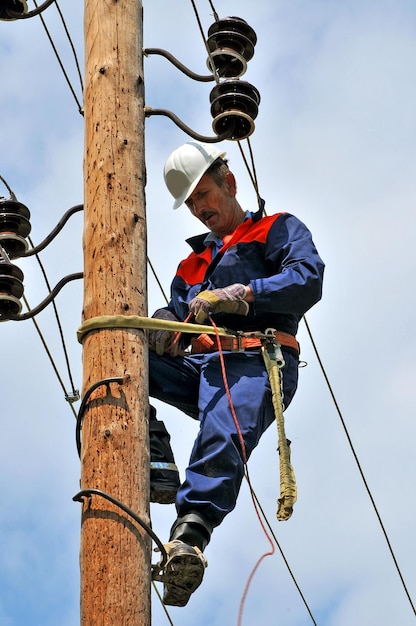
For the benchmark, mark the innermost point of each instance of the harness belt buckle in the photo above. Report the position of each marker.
(237, 343)
(273, 347)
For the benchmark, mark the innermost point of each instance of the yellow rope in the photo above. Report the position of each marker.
(288, 491)
(145, 323)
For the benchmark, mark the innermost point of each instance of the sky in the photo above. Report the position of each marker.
(334, 143)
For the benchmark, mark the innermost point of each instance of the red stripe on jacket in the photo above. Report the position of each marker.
(193, 269)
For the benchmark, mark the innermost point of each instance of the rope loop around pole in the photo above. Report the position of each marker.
(145, 323)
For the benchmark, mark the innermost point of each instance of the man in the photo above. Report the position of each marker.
(249, 272)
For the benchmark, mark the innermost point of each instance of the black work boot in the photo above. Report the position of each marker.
(164, 475)
(185, 567)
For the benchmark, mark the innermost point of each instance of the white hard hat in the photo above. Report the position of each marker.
(186, 166)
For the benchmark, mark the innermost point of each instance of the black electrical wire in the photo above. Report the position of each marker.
(58, 321)
(180, 66)
(71, 43)
(48, 299)
(80, 107)
(201, 30)
(37, 11)
(86, 493)
(54, 232)
(286, 562)
(158, 281)
(33, 251)
(253, 175)
(105, 381)
(48, 352)
(359, 465)
(162, 603)
(4, 181)
(216, 18)
(217, 138)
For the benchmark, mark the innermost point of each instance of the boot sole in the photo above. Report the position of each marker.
(183, 575)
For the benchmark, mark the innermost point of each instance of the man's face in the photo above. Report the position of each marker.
(215, 206)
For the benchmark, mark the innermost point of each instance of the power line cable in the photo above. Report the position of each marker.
(48, 352)
(75, 394)
(289, 569)
(254, 181)
(213, 11)
(201, 30)
(80, 106)
(255, 500)
(251, 172)
(71, 43)
(158, 281)
(253, 178)
(255, 185)
(28, 14)
(359, 465)
(162, 603)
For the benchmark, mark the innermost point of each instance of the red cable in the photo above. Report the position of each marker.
(244, 455)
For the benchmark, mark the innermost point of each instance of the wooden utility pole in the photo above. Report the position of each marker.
(115, 551)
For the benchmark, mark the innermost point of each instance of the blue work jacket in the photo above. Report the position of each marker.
(274, 255)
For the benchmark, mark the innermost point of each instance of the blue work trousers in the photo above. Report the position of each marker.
(195, 385)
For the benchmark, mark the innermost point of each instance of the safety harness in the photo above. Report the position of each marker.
(269, 342)
(241, 342)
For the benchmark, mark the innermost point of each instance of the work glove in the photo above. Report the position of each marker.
(226, 300)
(162, 341)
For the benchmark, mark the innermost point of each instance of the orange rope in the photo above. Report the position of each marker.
(244, 455)
(178, 334)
